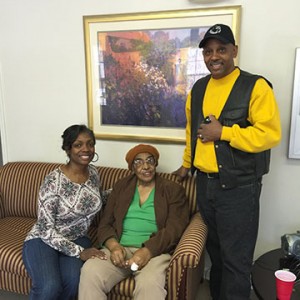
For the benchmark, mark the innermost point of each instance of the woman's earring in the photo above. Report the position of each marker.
(97, 157)
(67, 160)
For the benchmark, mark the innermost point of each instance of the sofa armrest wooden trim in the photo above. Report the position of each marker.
(187, 254)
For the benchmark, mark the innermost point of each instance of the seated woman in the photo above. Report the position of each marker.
(141, 225)
(69, 198)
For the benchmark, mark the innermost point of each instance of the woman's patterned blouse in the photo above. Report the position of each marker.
(65, 210)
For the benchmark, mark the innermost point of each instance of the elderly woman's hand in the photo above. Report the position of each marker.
(140, 257)
(117, 252)
(117, 256)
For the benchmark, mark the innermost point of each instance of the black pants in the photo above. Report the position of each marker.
(232, 218)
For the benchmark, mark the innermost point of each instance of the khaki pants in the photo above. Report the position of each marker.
(98, 277)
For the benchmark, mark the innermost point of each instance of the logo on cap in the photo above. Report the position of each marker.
(215, 30)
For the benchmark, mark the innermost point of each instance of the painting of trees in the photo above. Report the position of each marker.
(146, 76)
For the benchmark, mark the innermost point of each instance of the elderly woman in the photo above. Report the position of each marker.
(142, 223)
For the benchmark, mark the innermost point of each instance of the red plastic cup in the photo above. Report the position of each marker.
(284, 284)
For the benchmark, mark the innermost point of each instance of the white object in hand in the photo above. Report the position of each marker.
(134, 267)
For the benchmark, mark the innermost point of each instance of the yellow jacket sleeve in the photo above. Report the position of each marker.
(265, 129)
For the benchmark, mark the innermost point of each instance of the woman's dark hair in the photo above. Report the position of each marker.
(71, 133)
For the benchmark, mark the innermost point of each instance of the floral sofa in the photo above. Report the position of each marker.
(19, 185)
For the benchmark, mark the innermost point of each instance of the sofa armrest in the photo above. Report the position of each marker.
(191, 244)
(187, 254)
(1, 207)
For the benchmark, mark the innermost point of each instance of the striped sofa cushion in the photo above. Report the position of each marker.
(20, 183)
(13, 276)
(190, 190)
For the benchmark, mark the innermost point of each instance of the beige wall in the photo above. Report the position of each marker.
(42, 87)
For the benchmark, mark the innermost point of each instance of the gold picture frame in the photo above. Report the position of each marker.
(137, 80)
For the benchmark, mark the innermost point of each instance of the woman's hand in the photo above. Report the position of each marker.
(118, 255)
(92, 253)
(117, 252)
(141, 257)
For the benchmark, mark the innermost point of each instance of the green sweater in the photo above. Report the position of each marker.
(139, 222)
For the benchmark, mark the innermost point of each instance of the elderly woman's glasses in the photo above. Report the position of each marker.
(138, 162)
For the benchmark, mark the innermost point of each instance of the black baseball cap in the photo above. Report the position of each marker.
(220, 32)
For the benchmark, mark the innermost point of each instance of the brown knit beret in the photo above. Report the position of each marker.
(141, 148)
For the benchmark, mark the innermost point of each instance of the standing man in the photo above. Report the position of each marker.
(232, 123)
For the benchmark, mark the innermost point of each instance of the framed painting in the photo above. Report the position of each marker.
(294, 147)
(140, 68)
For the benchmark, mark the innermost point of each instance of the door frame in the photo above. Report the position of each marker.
(3, 144)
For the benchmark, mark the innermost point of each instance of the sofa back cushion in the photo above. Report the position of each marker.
(20, 183)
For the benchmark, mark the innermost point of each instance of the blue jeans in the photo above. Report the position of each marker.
(54, 275)
(232, 218)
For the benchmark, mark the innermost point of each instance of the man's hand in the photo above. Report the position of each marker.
(92, 253)
(181, 173)
(210, 132)
(141, 257)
